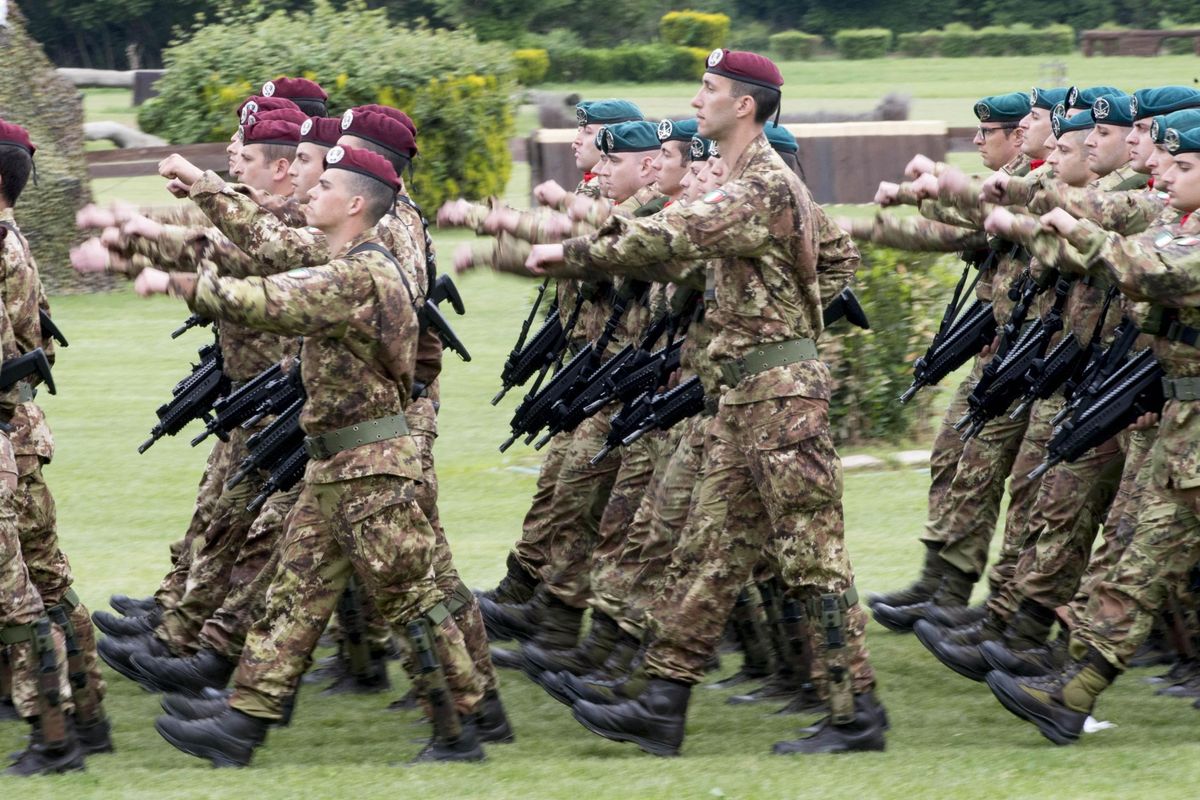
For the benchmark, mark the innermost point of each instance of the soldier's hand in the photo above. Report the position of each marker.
(91, 256)
(179, 188)
(579, 207)
(453, 213)
(93, 216)
(558, 226)
(918, 166)
(549, 193)
(500, 219)
(925, 187)
(176, 166)
(994, 188)
(152, 281)
(1059, 221)
(988, 350)
(999, 221)
(142, 226)
(111, 238)
(464, 258)
(1144, 422)
(885, 195)
(543, 255)
(952, 181)
(845, 223)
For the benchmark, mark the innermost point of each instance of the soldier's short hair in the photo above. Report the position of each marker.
(274, 152)
(399, 162)
(15, 166)
(378, 196)
(311, 107)
(766, 100)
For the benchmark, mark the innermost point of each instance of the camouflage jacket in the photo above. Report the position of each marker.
(24, 298)
(359, 351)
(757, 243)
(1125, 211)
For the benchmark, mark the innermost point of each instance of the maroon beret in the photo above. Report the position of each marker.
(271, 131)
(394, 113)
(380, 129)
(294, 89)
(286, 114)
(740, 65)
(364, 162)
(11, 133)
(256, 103)
(321, 130)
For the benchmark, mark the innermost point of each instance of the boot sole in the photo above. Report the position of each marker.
(129, 671)
(647, 745)
(218, 758)
(551, 688)
(1045, 725)
(892, 625)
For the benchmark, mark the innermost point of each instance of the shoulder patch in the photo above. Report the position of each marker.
(715, 196)
(302, 272)
(1164, 239)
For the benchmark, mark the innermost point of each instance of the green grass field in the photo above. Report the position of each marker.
(950, 739)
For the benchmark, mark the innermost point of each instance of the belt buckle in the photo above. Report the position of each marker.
(315, 445)
(732, 371)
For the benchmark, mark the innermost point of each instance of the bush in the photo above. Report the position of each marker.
(863, 42)
(903, 295)
(532, 65)
(994, 40)
(794, 45)
(1053, 40)
(751, 35)
(694, 29)
(439, 78)
(636, 63)
(958, 41)
(920, 45)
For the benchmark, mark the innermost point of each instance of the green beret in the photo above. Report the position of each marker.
(1047, 98)
(628, 137)
(678, 130)
(1083, 98)
(1182, 120)
(1113, 109)
(1009, 107)
(606, 112)
(1177, 141)
(1162, 100)
(783, 140)
(1080, 122)
(702, 149)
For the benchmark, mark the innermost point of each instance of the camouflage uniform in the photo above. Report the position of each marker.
(357, 509)
(769, 454)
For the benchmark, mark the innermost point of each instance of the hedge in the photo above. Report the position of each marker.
(794, 45)
(961, 41)
(532, 65)
(694, 29)
(637, 63)
(457, 90)
(863, 42)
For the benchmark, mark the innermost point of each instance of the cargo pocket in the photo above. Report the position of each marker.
(792, 456)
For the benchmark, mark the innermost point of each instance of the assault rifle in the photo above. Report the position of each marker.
(522, 362)
(194, 321)
(286, 474)
(846, 306)
(192, 398)
(1102, 366)
(652, 412)
(49, 329)
(271, 446)
(22, 366)
(961, 334)
(431, 316)
(278, 395)
(239, 405)
(1009, 381)
(1133, 390)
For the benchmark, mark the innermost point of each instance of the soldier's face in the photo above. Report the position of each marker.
(669, 167)
(328, 200)
(1071, 166)
(1106, 148)
(715, 106)
(1036, 125)
(1184, 178)
(997, 144)
(622, 174)
(255, 170)
(233, 152)
(1141, 146)
(1159, 163)
(306, 168)
(584, 147)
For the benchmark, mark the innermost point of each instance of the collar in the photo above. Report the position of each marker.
(369, 235)
(754, 151)
(589, 176)
(1036, 164)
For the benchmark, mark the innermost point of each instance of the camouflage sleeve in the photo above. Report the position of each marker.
(963, 207)
(532, 226)
(21, 294)
(1047, 247)
(1161, 265)
(1020, 190)
(187, 215)
(273, 246)
(1126, 213)
(838, 258)
(311, 301)
(918, 233)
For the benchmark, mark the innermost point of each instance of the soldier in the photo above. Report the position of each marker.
(1158, 267)
(357, 511)
(769, 455)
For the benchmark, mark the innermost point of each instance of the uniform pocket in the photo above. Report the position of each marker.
(784, 421)
(374, 496)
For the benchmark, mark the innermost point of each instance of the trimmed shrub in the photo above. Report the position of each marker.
(903, 295)
(694, 29)
(994, 40)
(751, 35)
(920, 45)
(958, 41)
(440, 78)
(863, 42)
(636, 63)
(794, 45)
(532, 65)
(1053, 40)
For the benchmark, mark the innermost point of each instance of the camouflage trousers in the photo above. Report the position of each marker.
(580, 498)
(978, 488)
(214, 557)
(771, 487)
(20, 602)
(1121, 521)
(50, 572)
(1067, 514)
(944, 456)
(373, 527)
(533, 548)
(174, 583)
(627, 542)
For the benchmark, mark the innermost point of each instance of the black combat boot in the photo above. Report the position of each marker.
(8, 712)
(587, 656)
(865, 732)
(515, 588)
(957, 616)
(132, 606)
(1045, 659)
(185, 706)
(504, 658)
(49, 752)
(958, 648)
(207, 669)
(369, 678)
(654, 721)
(227, 740)
(1058, 707)
(748, 620)
(922, 589)
(113, 625)
(953, 590)
(118, 653)
(545, 619)
(628, 687)
(95, 736)
(491, 721)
